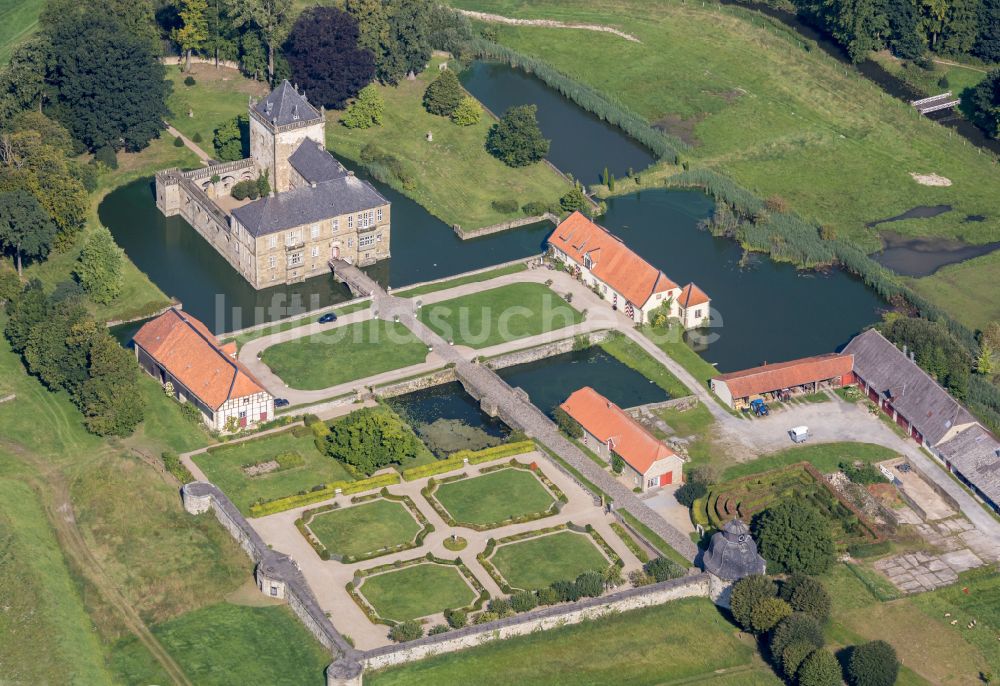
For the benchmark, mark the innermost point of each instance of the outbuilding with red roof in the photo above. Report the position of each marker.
(178, 349)
(808, 374)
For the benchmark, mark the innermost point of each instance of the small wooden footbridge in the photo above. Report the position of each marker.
(934, 103)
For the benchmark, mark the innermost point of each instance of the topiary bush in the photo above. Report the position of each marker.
(793, 656)
(820, 669)
(805, 594)
(767, 612)
(189, 81)
(796, 628)
(747, 592)
(689, 492)
(873, 664)
(178, 143)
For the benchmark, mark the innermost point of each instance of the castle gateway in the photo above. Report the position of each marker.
(317, 210)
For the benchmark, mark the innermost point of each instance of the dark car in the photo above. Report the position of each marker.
(327, 318)
(281, 402)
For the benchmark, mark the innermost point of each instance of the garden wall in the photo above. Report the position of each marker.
(419, 383)
(503, 226)
(542, 351)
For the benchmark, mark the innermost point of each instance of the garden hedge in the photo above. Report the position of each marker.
(322, 493)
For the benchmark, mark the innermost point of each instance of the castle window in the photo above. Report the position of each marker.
(350, 242)
(272, 242)
(314, 232)
(315, 251)
(380, 214)
(272, 261)
(366, 241)
(293, 237)
(295, 259)
(350, 221)
(336, 224)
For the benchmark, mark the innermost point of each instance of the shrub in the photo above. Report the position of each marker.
(747, 592)
(798, 627)
(409, 630)
(574, 200)
(484, 617)
(820, 669)
(178, 143)
(369, 153)
(567, 424)
(172, 463)
(366, 111)
(505, 205)
(500, 606)
(590, 584)
(617, 463)
(873, 664)
(767, 613)
(189, 81)
(468, 113)
(808, 595)
(107, 156)
(523, 601)
(863, 474)
(196, 137)
(534, 208)
(191, 412)
(689, 492)
(661, 569)
(547, 596)
(438, 629)
(245, 189)
(793, 536)
(566, 591)
(792, 657)
(456, 618)
(444, 94)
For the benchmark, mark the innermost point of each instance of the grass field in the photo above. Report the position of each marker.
(444, 169)
(18, 20)
(228, 644)
(361, 529)
(686, 641)
(224, 467)
(417, 591)
(498, 315)
(460, 281)
(243, 338)
(494, 497)
(966, 290)
(217, 96)
(537, 562)
(349, 352)
(823, 456)
(957, 77)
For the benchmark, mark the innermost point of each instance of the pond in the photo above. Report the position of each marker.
(550, 381)
(499, 86)
(918, 257)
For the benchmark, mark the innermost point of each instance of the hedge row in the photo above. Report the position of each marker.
(630, 542)
(321, 493)
(612, 111)
(457, 459)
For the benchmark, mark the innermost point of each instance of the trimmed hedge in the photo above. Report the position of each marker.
(324, 492)
(457, 459)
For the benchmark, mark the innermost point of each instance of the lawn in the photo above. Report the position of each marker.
(454, 177)
(537, 562)
(18, 20)
(360, 529)
(685, 641)
(223, 466)
(963, 289)
(498, 315)
(345, 353)
(228, 644)
(217, 96)
(461, 281)
(823, 456)
(417, 591)
(631, 355)
(957, 77)
(494, 497)
(244, 338)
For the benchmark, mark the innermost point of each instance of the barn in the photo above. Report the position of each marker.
(805, 375)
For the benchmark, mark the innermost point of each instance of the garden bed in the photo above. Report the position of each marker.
(537, 559)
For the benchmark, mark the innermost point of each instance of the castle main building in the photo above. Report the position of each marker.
(317, 210)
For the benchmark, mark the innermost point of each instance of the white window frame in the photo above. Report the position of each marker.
(314, 231)
(379, 214)
(366, 241)
(272, 241)
(272, 261)
(295, 259)
(336, 224)
(350, 221)
(315, 251)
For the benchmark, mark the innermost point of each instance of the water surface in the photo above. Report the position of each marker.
(917, 257)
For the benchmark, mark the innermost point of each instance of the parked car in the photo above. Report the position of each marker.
(799, 434)
(327, 318)
(281, 402)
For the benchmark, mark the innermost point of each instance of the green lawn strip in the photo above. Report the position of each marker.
(692, 640)
(226, 644)
(958, 77)
(18, 20)
(498, 315)
(223, 467)
(219, 94)
(671, 342)
(587, 483)
(538, 562)
(631, 355)
(165, 427)
(823, 456)
(360, 529)
(417, 591)
(349, 352)
(657, 543)
(452, 176)
(461, 281)
(48, 632)
(243, 338)
(494, 497)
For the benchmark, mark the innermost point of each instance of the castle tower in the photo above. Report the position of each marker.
(278, 125)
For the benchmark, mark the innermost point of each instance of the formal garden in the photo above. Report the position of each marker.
(376, 525)
(419, 588)
(502, 496)
(539, 559)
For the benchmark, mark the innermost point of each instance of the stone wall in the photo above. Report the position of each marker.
(696, 585)
(503, 226)
(542, 351)
(419, 383)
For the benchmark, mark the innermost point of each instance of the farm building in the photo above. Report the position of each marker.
(178, 349)
(608, 429)
(974, 457)
(631, 284)
(806, 375)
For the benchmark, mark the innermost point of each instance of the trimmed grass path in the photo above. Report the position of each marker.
(365, 528)
(494, 497)
(417, 591)
(537, 562)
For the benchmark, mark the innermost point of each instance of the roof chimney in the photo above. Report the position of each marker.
(904, 350)
(312, 184)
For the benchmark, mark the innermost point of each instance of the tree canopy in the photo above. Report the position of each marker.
(746, 594)
(516, 139)
(366, 111)
(444, 94)
(370, 439)
(100, 267)
(985, 103)
(820, 669)
(323, 53)
(192, 34)
(26, 231)
(794, 537)
(873, 664)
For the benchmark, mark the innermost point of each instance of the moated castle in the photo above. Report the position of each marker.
(317, 211)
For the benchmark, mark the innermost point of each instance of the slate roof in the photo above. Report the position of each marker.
(975, 453)
(613, 262)
(300, 206)
(191, 354)
(608, 422)
(284, 105)
(782, 375)
(732, 553)
(315, 164)
(914, 394)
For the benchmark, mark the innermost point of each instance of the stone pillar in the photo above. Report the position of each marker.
(344, 672)
(197, 497)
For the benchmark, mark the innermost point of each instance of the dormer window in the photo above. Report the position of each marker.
(587, 262)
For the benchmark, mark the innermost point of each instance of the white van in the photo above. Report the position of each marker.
(799, 434)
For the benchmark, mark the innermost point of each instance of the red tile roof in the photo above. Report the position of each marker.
(773, 377)
(606, 421)
(191, 354)
(691, 295)
(613, 262)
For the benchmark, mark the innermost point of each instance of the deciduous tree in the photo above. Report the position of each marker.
(371, 439)
(232, 139)
(796, 628)
(272, 18)
(468, 112)
(444, 94)
(192, 34)
(746, 593)
(873, 664)
(516, 139)
(367, 109)
(820, 669)
(807, 595)
(100, 267)
(110, 398)
(323, 53)
(794, 537)
(767, 613)
(985, 103)
(26, 231)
